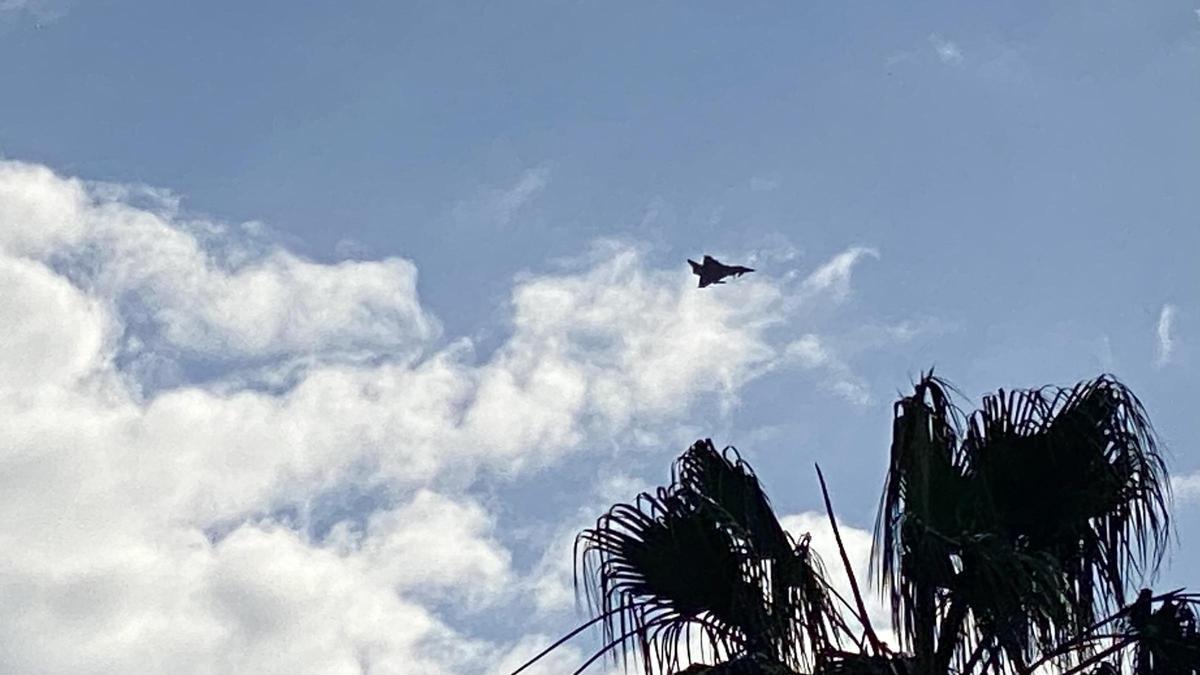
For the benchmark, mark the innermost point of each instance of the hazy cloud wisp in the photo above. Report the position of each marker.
(1166, 335)
(947, 51)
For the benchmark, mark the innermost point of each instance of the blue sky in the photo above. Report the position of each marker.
(353, 315)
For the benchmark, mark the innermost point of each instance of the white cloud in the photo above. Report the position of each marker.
(858, 549)
(232, 304)
(34, 350)
(947, 51)
(810, 352)
(439, 545)
(261, 601)
(147, 528)
(852, 390)
(834, 276)
(1187, 487)
(807, 351)
(1166, 337)
(564, 659)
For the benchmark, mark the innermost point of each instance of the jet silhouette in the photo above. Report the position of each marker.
(713, 271)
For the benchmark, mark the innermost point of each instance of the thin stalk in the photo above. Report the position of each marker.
(951, 626)
(837, 535)
(974, 658)
(563, 639)
(603, 650)
(1117, 647)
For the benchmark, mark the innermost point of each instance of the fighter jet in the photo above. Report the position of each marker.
(713, 271)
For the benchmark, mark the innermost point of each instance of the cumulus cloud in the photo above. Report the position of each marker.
(262, 600)
(1166, 336)
(436, 546)
(170, 527)
(36, 304)
(184, 296)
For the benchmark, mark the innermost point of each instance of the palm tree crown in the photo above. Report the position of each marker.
(1009, 540)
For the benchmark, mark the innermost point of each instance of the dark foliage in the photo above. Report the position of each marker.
(706, 554)
(1012, 529)
(1008, 541)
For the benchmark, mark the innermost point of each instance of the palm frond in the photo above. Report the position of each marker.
(745, 665)
(706, 554)
(724, 486)
(725, 482)
(1071, 488)
(920, 512)
(1001, 536)
(660, 568)
(850, 663)
(1039, 511)
(1077, 473)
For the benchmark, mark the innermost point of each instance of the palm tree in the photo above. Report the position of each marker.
(1005, 534)
(1008, 540)
(706, 556)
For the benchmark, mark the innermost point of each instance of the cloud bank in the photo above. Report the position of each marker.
(184, 400)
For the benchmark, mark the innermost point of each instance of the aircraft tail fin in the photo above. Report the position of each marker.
(695, 266)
